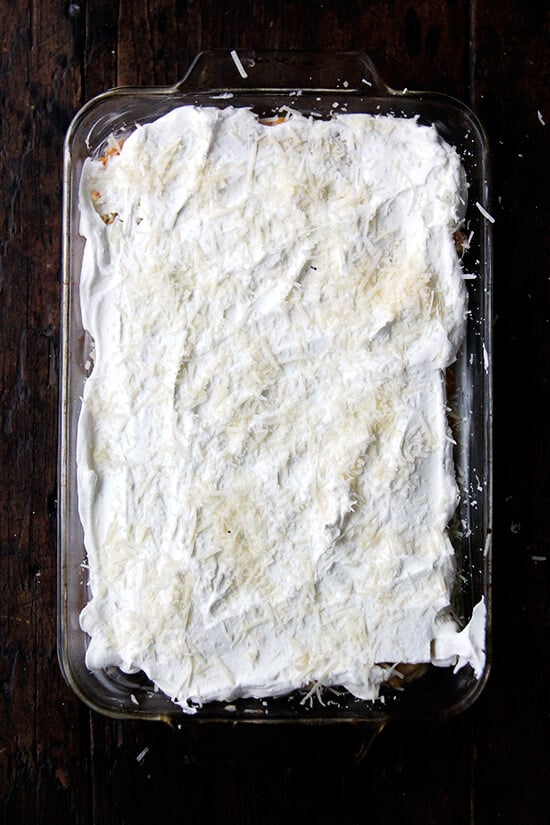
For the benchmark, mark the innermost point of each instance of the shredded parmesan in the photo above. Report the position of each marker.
(237, 61)
(484, 212)
(264, 459)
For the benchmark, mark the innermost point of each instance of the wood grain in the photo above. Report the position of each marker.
(62, 763)
(512, 80)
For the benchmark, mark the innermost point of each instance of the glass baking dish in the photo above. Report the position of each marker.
(320, 84)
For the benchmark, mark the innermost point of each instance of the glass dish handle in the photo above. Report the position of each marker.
(225, 70)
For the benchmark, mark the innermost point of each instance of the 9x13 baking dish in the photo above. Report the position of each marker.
(271, 83)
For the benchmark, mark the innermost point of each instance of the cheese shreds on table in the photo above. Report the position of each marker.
(238, 63)
(265, 470)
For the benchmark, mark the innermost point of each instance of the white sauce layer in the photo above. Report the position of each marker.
(264, 465)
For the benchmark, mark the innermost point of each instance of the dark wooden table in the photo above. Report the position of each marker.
(62, 763)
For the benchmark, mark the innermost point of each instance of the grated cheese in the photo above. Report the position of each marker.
(484, 212)
(142, 754)
(264, 462)
(237, 61)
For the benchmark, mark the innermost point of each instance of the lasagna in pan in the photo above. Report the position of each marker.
(265, 471)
